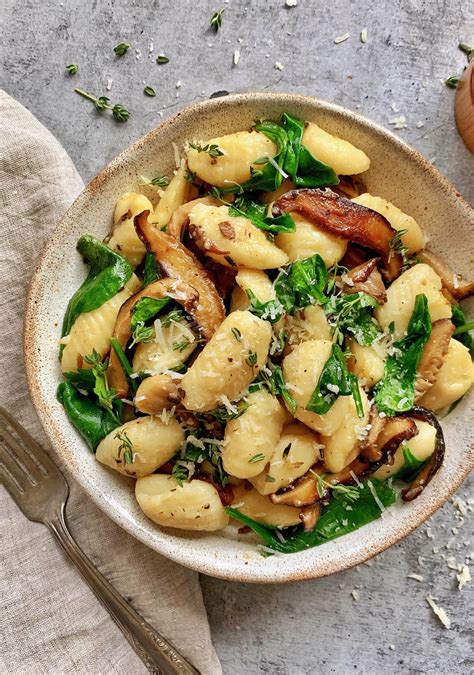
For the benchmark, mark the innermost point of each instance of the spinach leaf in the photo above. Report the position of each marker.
(150, 270)
(396, 391)
(124, 363)
(108, 274)
(272, 310)
(305, 170)
(336, 519)
(256, 213)
(351, 314)
(411, 467)
(91, 420)
(462, 328)
(334, 381)
(82, 378)
(146, 309)
(302, 284)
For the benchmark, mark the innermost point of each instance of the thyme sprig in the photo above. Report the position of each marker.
(102, 103)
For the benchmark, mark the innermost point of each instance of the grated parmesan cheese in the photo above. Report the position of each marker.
(375, 496)
(363, 35)
(399, 122)
(415, 577)
(460, 505)
(177, 158)
(355, 594)
(438, 611)
(278, 65)
(228, 405)
(463, 577)
(341, 38)
(236, 57)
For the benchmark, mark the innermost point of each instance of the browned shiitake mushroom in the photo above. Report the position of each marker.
(433, 356)
(369, 449)
(345, 219)
(302, 492)
(157, 393)
(184, 294)
(309, 516)
(396, 430)
(456, 287)
(179, 263)
(436, 459)
(365, 278)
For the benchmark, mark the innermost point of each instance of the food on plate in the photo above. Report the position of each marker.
(264, 344)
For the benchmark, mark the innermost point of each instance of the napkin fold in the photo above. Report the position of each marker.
(51, 622)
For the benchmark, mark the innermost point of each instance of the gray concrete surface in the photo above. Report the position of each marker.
(316, 626)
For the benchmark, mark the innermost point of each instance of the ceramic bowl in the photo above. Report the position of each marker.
(397, 173)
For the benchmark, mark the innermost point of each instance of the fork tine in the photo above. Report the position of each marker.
(28, 450)
(13, 472)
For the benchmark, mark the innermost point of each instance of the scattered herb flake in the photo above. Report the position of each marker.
(72, 68)
(149, 91)
(160, 181)
(257, 458)
(216, 20)
(468, 50)
(452, 82)
(121, 49)
(161, 59)
(237, 334)
(251, 359)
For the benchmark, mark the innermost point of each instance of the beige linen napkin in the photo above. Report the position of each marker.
(51, 621)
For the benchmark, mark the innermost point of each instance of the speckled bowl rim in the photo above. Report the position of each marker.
(58, 439)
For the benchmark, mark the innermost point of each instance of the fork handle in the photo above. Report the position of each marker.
(158, 655)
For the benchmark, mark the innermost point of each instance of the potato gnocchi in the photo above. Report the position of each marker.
(268, 379)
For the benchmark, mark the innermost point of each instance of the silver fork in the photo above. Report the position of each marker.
(41, 491)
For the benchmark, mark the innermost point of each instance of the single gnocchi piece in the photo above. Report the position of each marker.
(124, 238)
(309, 323)
(180, 217)
(251, 280)
(239, 152)
(342, 446)
(229, 362)
(259, 507)
(233, 241)
(366, 362)
(421, 447)
(157, 393)
(413, 238)
(401, 296)
(93, 330)
(178, 192)
(170, 346)
(250, 440)
(150, 442)
(301, 370)
(193, 506)
(308, 239)
(343, 157)
(296, 452)
(454, 378)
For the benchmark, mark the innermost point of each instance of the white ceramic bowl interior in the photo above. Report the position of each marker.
(397, 173)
